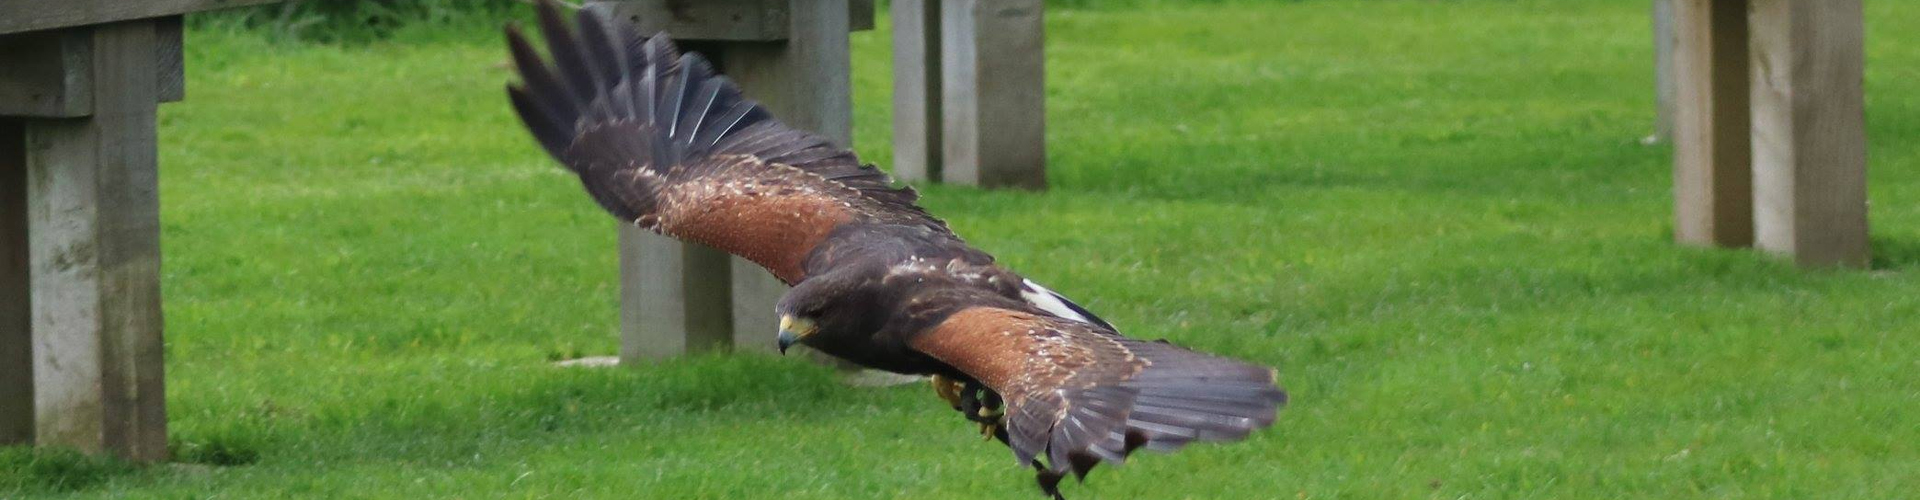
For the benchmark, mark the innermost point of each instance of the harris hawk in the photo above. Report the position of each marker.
(661, 140)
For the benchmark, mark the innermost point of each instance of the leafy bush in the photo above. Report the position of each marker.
(355, 20)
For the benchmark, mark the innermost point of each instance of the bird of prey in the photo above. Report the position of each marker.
(662, 141)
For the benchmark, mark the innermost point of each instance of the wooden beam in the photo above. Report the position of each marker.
(994, 93)
(734, 20)
(47, 75)
(18, 16)
(724, 20)
(16, 340)
(1809, 131)
(93, 205)
(1712, 172)
(170, 56)
(860, 14)
(49, 72)
(917, 146)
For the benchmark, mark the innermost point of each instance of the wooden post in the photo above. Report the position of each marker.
(917, 145)
(94, 257)
(1664, 38)
(673, 297)
(1712, 178)
(16, 340)
(793, 57)
(80, 320)
(994, 93)
(1809, 131)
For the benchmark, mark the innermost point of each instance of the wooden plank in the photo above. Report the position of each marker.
(994, 93)
(916, 90)
(724, 20)
(47, 74)
(730, 20)
(16, 341)
(860, 15)
(93, 204)
(1809, 131)
(1665, 90)
(33, 15)
(1712, 170)
(673, 297)
(170, 54)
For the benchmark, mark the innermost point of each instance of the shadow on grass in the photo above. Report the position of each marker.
(1895, 253)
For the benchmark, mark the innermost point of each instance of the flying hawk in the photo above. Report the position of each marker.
(662, 141)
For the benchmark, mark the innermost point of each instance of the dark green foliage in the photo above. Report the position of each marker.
(357, 20)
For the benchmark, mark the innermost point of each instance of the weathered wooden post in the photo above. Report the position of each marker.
(80, 321)
(1712, 173)
(1809, 131)
(793, 57)
(1770, 129)
(969, 92)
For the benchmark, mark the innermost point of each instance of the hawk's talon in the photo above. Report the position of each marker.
(948, 389)
(980, 405)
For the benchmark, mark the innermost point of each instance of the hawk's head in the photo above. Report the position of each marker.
(833, 305)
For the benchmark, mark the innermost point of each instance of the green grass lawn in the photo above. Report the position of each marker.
(1435, 218)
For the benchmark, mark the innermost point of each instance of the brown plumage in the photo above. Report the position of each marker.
(662, 141)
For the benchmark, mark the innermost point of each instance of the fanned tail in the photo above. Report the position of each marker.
(1181, 397)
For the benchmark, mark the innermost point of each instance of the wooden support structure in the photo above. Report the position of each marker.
(1809, 131)
(970, 93)
(917, 146)
(80, 309)
(1712, 173)
(1769, 127)
(793, 57)
(94, 206)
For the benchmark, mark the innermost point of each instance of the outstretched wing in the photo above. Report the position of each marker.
(1078, 395)
(661, 140)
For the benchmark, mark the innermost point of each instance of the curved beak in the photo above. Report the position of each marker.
(792, 330)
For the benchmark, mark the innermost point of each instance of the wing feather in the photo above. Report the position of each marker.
(661, 140)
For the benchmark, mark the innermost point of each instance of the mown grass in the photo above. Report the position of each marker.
(1434, 217)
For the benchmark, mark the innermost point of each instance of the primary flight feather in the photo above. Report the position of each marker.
(661, 140)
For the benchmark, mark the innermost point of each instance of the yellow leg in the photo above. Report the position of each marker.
(999, 417)
(948, 389)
